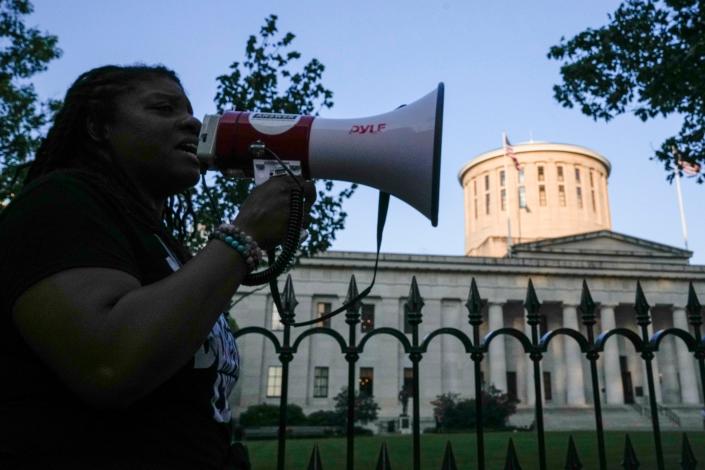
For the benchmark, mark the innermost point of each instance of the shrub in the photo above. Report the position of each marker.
(268, 415)
(452, 413)
(497, 407)
(444, 408)
(325, 418)
(360, 431)
(366, 407)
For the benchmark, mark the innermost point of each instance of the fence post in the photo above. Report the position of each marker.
(413, 307)
(289, 304)
(314, 462)
(533, 318)
(587, 311)
(695, 319)
(688, 461)
(474, 305)
(643, 319)
(572, 460)
(352, 318)
(511, 462)
(448, 458)
(383, 458)
(629, 461)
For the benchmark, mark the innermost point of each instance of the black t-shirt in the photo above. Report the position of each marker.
(66, 221)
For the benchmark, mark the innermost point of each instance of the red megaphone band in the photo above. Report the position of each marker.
(287, 135)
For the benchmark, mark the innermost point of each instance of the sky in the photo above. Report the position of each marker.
(491, 56)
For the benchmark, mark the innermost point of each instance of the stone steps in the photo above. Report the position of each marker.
(615, 418)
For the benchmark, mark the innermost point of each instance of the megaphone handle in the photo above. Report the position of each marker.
(289, 247)
(354, 302)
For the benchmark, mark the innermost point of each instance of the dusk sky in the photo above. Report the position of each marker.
(378, 55)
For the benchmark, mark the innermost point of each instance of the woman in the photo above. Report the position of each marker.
(113, 346)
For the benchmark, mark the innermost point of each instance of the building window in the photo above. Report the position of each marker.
(547, 390)
(502, 178)
(320, 382)
(487, 182)
(592, 180)
(367, 379)
(560, 173)
(503, 199)
(542, 195)
(367, 320)
(512, 386)
(487, 203)
(274, 381)
(323, 308)
(276, 323)
(561, 195)
(521, 176)
(579, 194)
(475, 208)
(522, 197)
(474, 187)
(543, 325)
(541, 176)
(407, 325)
(577, 175)
(592, 196)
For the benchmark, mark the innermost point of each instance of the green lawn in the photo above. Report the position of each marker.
(263, 453)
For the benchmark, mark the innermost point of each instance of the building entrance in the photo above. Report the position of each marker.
(627, 385)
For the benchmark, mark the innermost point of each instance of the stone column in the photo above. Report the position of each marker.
(686, 364)
(497, 353)
(670, 388)
(559, 369)
(614, 392)
(575, 393)
(530, 392)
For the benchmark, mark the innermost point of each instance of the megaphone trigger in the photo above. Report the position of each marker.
(265, 169)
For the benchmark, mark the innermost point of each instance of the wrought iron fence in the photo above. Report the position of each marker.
(533, 345)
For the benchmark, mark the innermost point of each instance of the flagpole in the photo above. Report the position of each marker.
(509, 152)
(680, 205)
(509, 237)
(508, 193)
(518, 209)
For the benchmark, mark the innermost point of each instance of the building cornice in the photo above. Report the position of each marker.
(515, 266)
(552, 242)
(532, 147)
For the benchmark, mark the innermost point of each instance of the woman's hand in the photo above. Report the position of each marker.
(265, 213)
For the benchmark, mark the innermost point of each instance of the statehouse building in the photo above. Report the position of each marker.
(545, 218)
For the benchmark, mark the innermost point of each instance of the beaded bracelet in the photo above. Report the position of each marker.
(244, 244)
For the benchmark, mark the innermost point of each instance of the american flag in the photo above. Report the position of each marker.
(690, 169)
(509, 151)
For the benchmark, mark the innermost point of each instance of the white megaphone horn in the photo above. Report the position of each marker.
(398, 152)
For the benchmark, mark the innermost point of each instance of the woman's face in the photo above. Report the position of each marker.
(153, 136)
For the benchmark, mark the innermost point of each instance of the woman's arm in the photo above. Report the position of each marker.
(112, 340)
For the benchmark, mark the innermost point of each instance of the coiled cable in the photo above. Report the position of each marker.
(289, 246)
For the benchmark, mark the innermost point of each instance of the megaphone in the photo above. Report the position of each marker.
(398, 152)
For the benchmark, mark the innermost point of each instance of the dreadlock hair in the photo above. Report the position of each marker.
(69, 146)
